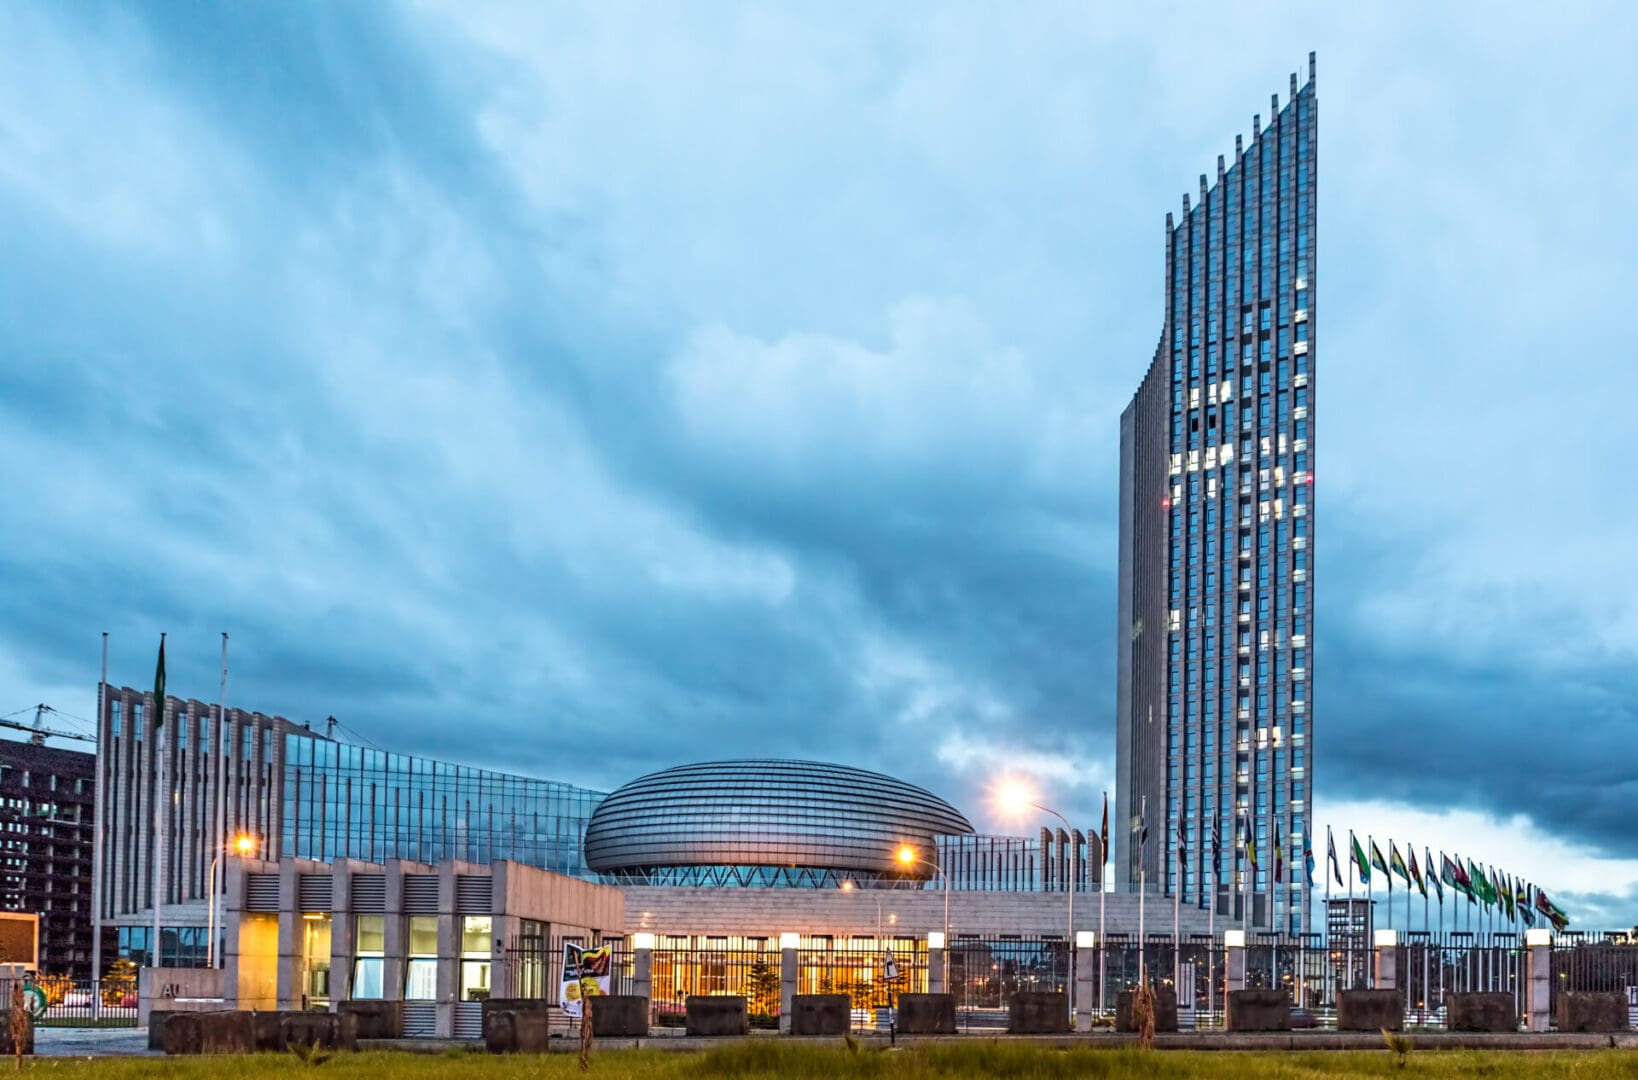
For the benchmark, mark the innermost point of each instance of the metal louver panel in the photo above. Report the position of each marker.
(420, 1019)
(469, 1019)
(313, 892)
(473, 893)
(369, 894)
(421, 894)
(261, 892)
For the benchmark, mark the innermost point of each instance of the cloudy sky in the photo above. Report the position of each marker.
(578, 390)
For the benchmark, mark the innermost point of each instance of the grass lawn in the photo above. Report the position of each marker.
(769, 1059)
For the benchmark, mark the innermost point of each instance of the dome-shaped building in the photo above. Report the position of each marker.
(765, 822)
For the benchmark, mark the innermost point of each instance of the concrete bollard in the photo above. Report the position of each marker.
(1385, 960)
(1234, 960)
(1538, 979)
(787, 980)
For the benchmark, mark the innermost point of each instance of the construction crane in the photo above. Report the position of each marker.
(38, 732)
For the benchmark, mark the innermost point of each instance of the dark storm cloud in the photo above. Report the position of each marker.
(585, 392)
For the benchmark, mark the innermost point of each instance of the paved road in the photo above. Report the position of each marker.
(90, 1042)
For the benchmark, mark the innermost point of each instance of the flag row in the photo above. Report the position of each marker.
(1513, 898)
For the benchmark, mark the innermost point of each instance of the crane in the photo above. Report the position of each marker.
(38, 732)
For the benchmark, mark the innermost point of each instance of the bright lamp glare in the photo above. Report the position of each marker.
(907, 855)
(1014, 796)
(244, 844)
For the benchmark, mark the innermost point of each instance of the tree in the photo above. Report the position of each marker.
(762, 982)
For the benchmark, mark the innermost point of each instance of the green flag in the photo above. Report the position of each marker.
(1481, 884)
(1359, 859)
(159, 687)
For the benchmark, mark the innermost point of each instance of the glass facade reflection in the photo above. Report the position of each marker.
(347, 801)
(1215, 708)
(767, 823)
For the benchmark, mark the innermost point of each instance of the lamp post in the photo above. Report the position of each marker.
(1016, 799)
(907, 856)
(243, 844)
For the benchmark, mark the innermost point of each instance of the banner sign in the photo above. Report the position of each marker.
(585, 974)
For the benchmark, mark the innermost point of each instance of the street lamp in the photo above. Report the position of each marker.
(1015, 799)
(907, 856)
(242, 845)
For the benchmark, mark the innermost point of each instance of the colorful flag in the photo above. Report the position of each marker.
(1331, 843)
(1433, 877)
(1216, 843)
(1103, 833)
(1554, 913)
(1182, 849)
(1308, 858)
(159, 687)
(1521, 896)
(1379, 863)
(1251, 841)
(1416, 873)
(1504, 889)
(1279, 856)
(1463, 882)
(1359, 859)
(1398, 862)
(1140, 828)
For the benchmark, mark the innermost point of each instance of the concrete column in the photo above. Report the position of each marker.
(935, 971)
(642, 975)
(396, 950)
(787, 988)
(449, 951)
(1086, 985)
(1234, 960)
(343, 932)
(292, 939)
(1538, 979)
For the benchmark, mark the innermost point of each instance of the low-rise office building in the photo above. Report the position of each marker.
(440, 939)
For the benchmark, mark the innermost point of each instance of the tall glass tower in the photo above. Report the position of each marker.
(1215, 703)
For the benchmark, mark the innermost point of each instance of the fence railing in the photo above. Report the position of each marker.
(60, 1001)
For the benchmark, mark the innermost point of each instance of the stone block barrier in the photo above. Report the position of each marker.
(927, 1014)
(821, 1014)
(375, 1019)
(1258, 1010)
(716, 1015)
(1486, 1012)
(1592, 1011)
(1165, 1010)
(1035, 1012)
(620, 1016)
(1370, 1010)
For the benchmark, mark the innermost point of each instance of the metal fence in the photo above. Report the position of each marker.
(985, 972)
(59, 1001)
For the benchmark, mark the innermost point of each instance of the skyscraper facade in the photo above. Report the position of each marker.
(1214, 739)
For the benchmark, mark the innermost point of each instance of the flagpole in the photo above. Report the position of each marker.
(217, 871)
(1143, 842)
(1177, 910)
(1370, 906)
(1426, 926)
(103, 741)
(1103, 855)
(1211, 933)
(1349, 923)
(1330, 856)
(161, 797)
(1441, 936)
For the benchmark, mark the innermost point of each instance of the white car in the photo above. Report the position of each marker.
(77, 999)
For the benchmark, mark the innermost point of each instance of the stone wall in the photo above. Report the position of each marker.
(1481, 1012)
(1259, 1010)
(1370, 1010)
